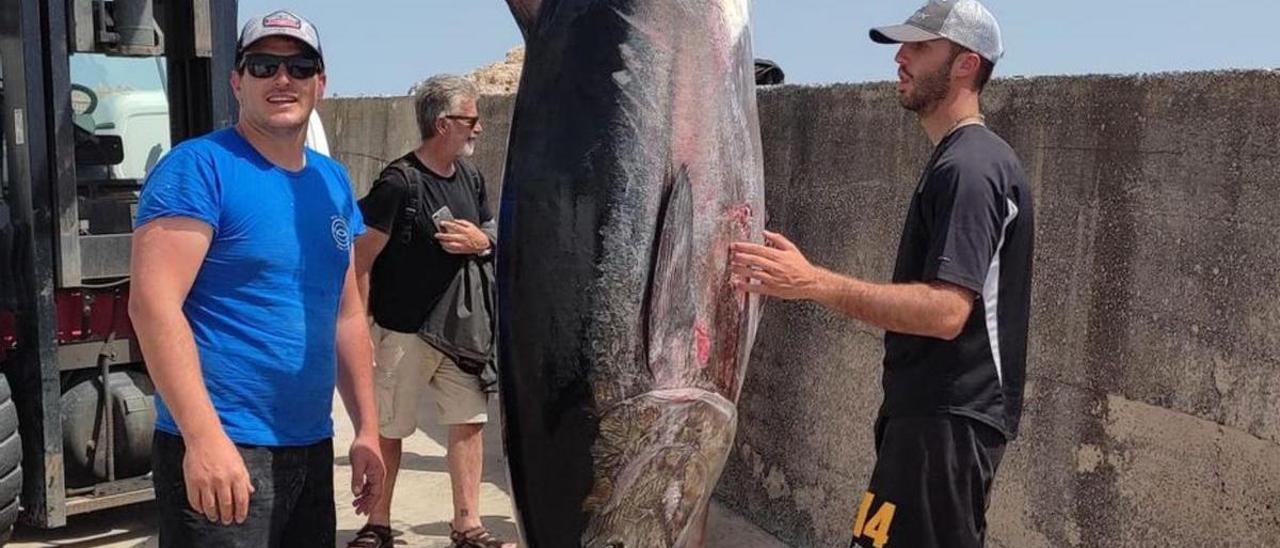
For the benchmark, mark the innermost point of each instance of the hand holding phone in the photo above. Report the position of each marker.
(440, 216)
(464, 238)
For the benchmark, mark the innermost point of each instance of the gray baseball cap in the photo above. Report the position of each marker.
(965, 22)
(279, 23)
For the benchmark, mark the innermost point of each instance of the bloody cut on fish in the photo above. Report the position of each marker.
(634, 161)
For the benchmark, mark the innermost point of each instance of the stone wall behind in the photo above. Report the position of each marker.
(1153, 399)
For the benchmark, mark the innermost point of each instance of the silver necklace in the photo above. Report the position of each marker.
(977, 119)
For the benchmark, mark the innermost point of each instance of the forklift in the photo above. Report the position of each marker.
(92, 94)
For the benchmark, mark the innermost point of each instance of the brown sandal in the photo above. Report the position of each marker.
(476, 537)
(373, 536)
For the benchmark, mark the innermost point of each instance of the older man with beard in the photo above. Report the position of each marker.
(404, 264)
(956, 312)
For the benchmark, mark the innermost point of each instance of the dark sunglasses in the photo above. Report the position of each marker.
(265, 65)
(470, 121)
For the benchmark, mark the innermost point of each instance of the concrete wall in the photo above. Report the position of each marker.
(366, 134)
(1153, 400)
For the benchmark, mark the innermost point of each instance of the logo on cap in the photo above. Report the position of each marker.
(281, 19)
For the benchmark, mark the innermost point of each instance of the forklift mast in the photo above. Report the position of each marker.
(86, 89)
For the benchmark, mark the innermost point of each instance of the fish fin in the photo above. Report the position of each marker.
(670, 307)
(526, 13)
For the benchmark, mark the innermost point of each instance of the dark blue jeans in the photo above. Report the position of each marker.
(292, 504)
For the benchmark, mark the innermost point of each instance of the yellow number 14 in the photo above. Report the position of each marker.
(877, 528)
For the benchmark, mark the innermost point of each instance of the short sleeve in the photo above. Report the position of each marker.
(380, 207)
(962, 209)
(482, 198)
(487, 223)
(355, 220)
(183, 184)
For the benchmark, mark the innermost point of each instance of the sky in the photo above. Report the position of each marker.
(381, 47)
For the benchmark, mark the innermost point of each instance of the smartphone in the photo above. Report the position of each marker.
(441, 215)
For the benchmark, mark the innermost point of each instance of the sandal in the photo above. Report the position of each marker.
(373, 536)
(476, 537)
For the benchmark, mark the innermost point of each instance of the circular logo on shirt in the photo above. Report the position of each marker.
(341, 234)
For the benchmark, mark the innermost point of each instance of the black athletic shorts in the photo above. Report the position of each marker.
(931, 483)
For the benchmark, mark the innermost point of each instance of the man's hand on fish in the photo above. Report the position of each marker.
(777, 269)
(461, 237)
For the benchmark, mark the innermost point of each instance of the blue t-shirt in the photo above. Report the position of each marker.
(264, 305)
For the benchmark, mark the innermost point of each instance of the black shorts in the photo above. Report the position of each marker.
(931, 483)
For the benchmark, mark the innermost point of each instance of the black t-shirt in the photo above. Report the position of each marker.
(413, 270)
(970, 224)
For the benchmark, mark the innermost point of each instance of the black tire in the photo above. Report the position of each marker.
(10, 460)
(134, 419)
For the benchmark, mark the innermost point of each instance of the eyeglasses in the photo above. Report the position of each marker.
(265, 65)
(470, 121)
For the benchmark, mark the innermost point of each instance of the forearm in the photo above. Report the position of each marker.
(368, 246)
(362, 287)
(355, 372)
(173, 363)
(914, 308)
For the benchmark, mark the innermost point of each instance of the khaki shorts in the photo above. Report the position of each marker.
(405, 367)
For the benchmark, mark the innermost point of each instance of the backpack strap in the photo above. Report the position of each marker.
(404, 225)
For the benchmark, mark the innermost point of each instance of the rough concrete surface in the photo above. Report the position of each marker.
(1153, 401)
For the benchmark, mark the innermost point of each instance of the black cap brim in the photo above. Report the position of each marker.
(898, 34)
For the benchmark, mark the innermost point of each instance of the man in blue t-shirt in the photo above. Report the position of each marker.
(245, 304)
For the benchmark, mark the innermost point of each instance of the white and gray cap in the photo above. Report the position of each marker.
(279, 23)
(965, 22)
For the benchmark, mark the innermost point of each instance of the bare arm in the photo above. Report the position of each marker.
(368, 246)
(355, 386)
(936, 309)
(167, 254)
(355, 359)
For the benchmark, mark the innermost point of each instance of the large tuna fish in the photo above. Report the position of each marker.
(634, 162)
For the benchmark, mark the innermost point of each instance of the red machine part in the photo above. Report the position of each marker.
(91, 314)
(84, 315)
(8, 333)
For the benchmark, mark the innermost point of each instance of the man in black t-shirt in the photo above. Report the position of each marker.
(404, 265)
(956, 313)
